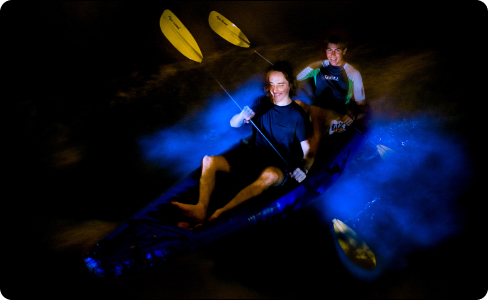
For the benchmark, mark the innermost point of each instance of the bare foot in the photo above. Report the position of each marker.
(215, 215)
(185, 225)
(197, 212)
(189, 226)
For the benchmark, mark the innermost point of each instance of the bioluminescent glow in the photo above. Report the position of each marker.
(396, 207)
(180, 148)
(410, 204)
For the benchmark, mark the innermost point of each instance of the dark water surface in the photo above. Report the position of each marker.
(107, 115)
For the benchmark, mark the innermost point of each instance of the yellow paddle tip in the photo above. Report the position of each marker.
(179, 36)
(227, 30)
(356, 250)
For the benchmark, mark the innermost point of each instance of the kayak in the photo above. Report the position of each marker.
(151, 237)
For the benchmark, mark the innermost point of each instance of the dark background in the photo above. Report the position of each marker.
(78, 95)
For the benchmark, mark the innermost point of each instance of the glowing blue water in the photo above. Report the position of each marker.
(410, 203)
(180, 148)
(395, 207)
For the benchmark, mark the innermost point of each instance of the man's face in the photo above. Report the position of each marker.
(279, 87)
(335, 55)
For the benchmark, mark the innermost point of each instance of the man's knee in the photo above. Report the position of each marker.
(217, 163)
(271, 176)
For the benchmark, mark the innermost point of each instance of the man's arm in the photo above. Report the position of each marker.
(308, 155)
(245, 115)
(308, 158)
(360, 110)
(363, 108)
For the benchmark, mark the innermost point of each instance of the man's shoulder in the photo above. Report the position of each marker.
(308, 72)
(260, 99)
(350, 70)
(261, 104)
(312, 69)
(299, 110)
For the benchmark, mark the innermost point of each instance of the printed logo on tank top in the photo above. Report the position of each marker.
(330, 77)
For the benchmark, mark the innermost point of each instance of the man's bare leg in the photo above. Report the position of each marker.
(271, 176)
(210, 166)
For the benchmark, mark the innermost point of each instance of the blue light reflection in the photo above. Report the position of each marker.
(180, 148)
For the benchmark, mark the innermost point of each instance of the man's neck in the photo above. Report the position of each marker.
(283, 102)
(341, 64)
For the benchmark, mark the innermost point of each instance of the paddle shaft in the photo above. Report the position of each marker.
(306, 184)
(255, 126)
(363, 135)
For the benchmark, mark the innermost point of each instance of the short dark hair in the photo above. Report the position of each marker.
(287, 70)
(335, 39)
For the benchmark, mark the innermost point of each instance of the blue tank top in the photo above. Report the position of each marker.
(331, 87)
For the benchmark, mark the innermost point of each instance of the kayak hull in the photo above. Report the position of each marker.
(151, 237)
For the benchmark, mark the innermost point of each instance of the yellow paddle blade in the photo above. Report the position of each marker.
(179, 36)
(227, 30)
(385, 152)
(355, 249)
